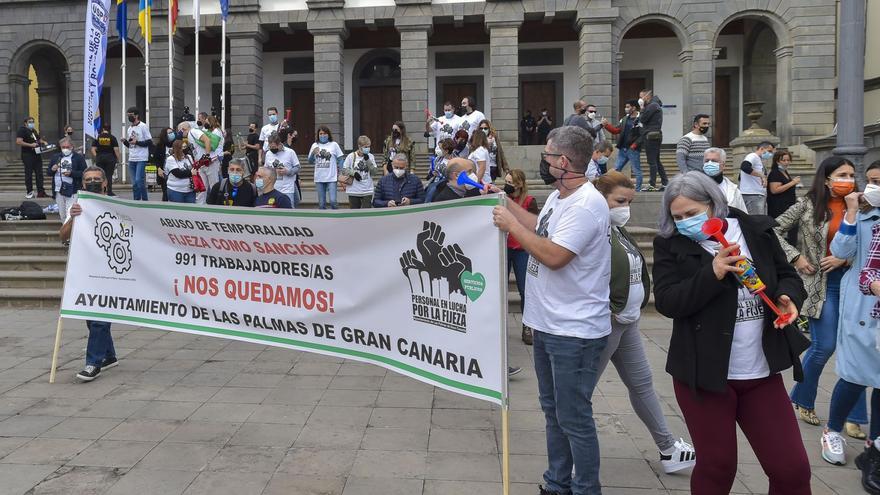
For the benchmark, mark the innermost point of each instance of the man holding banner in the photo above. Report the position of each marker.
(567, 305)
(100, 353)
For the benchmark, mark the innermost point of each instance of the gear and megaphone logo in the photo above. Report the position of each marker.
(113, 236)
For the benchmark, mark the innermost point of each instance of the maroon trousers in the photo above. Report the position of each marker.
(763, 411)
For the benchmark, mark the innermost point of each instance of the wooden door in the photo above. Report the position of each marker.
(302, 106)
(104, 108)
(629, 90)
(380, 108)
(721, 120)
(454, 92)
(536, 95)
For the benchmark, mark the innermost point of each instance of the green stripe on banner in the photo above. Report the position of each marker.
(308, 345)
(370, 212)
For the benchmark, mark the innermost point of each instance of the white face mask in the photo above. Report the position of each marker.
(619, 216)
(872, 195)
(399, 172)
(591, 115)
(641, 102)
(66, 151)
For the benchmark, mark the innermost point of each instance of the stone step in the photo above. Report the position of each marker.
(32, 249)
(32, 279)
(46, 263)
(42, 236)
(23, 225)
(30, 298)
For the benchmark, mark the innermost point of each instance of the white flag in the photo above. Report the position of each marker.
(97, 23)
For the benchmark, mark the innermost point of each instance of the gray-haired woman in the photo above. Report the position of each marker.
(726, 352)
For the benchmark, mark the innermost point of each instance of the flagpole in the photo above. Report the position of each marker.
(147, 35)
(123, 136)
(223, 78)
(197, 14)
(170, 70)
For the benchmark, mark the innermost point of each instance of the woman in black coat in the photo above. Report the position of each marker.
(726, 352)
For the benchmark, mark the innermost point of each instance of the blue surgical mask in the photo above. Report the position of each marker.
(273, 119)
(323, 139)
(235, 178)
(172, 136)
(365, 150)
(602, 160)
(259, 183)
(766, 155)
(712, 168)
(449, 115)
(692, 227)
(30, 125)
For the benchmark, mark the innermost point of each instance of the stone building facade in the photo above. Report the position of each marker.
(333, 61)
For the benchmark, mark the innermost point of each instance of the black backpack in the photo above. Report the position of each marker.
(31, 211)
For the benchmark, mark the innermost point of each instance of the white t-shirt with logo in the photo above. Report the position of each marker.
(326, 167)
(747, 359)
(265, 132)
(471, 122)
(572, 301)
(444, 128)
(181, 185)
(65, 163)
(287, 157)
(140, 132)
(749, 184)
(481, 154)
(361, 165)
(633, 309)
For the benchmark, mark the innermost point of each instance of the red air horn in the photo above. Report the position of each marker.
(748, 277)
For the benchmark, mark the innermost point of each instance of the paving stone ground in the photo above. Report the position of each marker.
(196, 415)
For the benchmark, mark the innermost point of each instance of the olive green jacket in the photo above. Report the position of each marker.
(620, 271)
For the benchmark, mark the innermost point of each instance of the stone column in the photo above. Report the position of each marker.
(851, 86)
(414, 32)
(18, 86)
(596, 62)
(686, 57)
(783, 94)
(701, 84)
(504, 73)
(245, 76)
(329, 37)
(159, 68)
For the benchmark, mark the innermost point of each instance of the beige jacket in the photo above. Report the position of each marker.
(812, 245)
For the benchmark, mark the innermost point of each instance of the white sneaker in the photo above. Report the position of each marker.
(682, 457)
(833, 448)
(29, 195)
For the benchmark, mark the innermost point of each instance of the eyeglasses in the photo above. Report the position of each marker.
(93, 180)
(544, 155)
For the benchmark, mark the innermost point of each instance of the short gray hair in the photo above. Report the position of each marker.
(92, 168)
(65, 140)
(603, 146)
(573, 142)
(401, 157)
(271, 171)
(237, 161)
(720, 151)
(693, 185)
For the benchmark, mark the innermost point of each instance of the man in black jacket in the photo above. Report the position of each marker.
(629, 141)
(652, 125)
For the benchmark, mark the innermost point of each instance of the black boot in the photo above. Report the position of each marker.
(869, 463)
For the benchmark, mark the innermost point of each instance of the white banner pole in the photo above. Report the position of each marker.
(170, 71)
(223, 78)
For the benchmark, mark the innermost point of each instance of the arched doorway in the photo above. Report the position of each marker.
(112, 110)
(376, 86)
(40, 86)
(650, 55)
(759, 70)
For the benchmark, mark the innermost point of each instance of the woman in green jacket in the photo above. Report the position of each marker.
(630, 289)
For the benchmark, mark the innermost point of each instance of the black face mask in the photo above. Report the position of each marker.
(252, 130)
(704, 130)
(199, 123)
(509, 190)
(94, 187)
(69, 133)
(395, 134)
(544, 170)
(131, 119)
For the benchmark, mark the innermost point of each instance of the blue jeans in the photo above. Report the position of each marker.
(567, 373)
(138, 177)
(630, 155)
(322, 188)
(179, 197)
(518, 259)
(844, 398)
(100, 346)
(823, 332)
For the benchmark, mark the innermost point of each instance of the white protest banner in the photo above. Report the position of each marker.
(419, 290)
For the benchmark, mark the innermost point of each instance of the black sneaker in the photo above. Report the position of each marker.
(109, 363)
(89, 373)
(544, 491)
(869, 463)
(513, 370)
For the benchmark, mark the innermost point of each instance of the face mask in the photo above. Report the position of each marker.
(591, 115)
(94, 187)
(69, 133)
(399, 172)
(274, 150)
(30, 125)
(485, 131)
(872, 195)
(235, 178)
(323, 139)
(712, 168)
(179, 134)
(766, 155)
(692, 227)
(619, 216)
(842, 187)
(66, 151)
(395, 134)
(252, 130)
(704, 130)
(365, 150)
(199, 124)
(172, 136)
(449, 114)
(782, 166)
(544, 171)
(641, 102)
(131, 119)
(273, 119)
(509, 189)
(259, 183)
(602, 160)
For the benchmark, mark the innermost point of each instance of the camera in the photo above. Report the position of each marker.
(277, 164)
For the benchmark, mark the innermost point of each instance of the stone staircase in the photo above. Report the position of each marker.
(32, 263)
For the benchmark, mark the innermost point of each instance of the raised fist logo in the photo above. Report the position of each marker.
(437, 268)
(112, 236)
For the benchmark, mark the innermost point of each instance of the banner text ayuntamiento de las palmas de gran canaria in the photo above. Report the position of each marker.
(418, 290)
